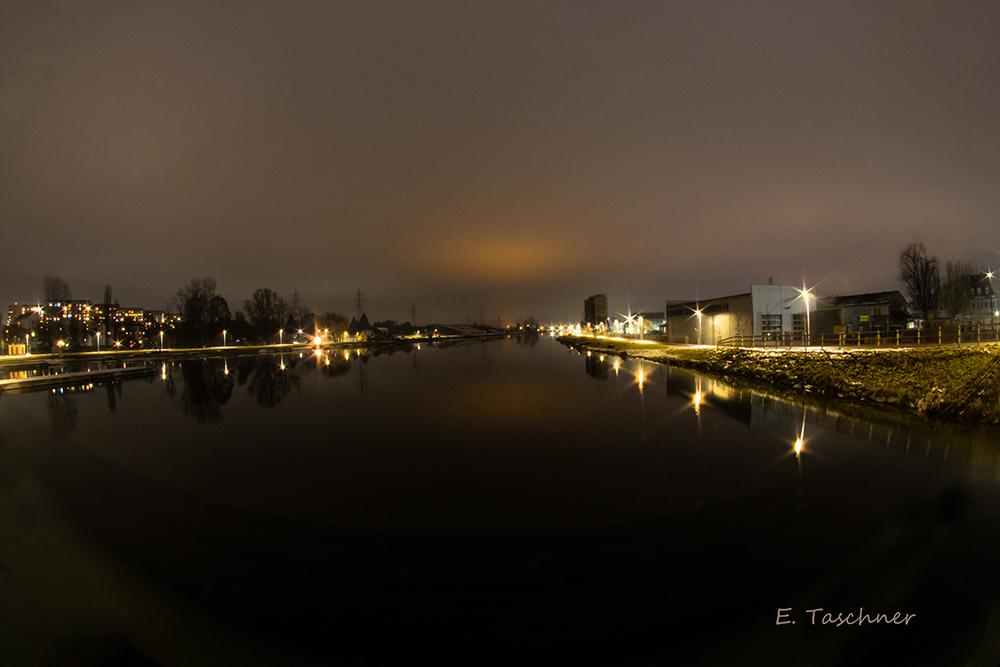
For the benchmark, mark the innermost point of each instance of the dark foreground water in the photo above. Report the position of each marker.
(489, 502)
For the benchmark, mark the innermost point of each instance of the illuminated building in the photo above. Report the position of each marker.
(767, 310)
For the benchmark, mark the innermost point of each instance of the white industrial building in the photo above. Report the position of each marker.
(768, 310)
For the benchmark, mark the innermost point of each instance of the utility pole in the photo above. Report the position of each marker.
(296, 308)
(359, 305)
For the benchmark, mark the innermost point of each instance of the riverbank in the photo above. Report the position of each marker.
(952, 383)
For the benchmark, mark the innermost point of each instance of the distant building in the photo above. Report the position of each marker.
(595, 310)
(774, 310)
(982, 300)
(83, 323)
(877, 311)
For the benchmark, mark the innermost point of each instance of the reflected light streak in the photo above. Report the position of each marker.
(801, 440)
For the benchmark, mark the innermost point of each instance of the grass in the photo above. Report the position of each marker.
(953, 383)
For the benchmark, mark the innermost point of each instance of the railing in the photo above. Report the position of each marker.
(976, 334)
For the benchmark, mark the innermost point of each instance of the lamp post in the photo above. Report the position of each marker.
(993, 298)
(281, 334)
(223, 338)
(98, 341)
(161, 340)
(805, 293)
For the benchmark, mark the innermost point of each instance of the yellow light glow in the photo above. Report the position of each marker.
(317, 340)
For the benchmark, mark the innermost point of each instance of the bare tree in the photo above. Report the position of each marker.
(203, 312)
(266, 311)
(56, 290)
(920, 275)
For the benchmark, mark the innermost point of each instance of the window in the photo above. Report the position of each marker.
(770, 323)
(798, 322)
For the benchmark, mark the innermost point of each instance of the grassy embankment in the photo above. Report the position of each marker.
(961, 384)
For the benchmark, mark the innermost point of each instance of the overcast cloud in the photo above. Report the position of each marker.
(504, 157)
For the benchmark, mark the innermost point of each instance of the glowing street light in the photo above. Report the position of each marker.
(281, 333)
(161, 340)
(805, 293)
(993, 298)
(223, 338)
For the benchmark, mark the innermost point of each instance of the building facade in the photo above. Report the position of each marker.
(82, 324)
(983, 307)
(767, 310)
(875, 311)
(595, 310)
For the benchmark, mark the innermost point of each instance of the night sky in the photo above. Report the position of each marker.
(509, 158)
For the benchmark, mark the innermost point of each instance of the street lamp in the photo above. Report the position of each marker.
(281, 333)
(993, 298)
(98, 341)
(223, 338)
(805, 293)
(161, 340)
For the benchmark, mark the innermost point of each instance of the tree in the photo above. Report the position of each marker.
(51, 324)
(333, 322)
(920, 275)
(56, 290)
(204, 314)
(266, 312)
(955, 292)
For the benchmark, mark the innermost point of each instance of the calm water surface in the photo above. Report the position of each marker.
(487, 501)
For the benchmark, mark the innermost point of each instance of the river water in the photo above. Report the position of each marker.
(486, 501)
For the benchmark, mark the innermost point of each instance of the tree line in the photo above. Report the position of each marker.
(926, 292)
(266, 317)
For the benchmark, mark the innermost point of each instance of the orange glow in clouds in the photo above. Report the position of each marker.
(496, 258)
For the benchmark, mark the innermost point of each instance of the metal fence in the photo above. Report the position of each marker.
(939, 336)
